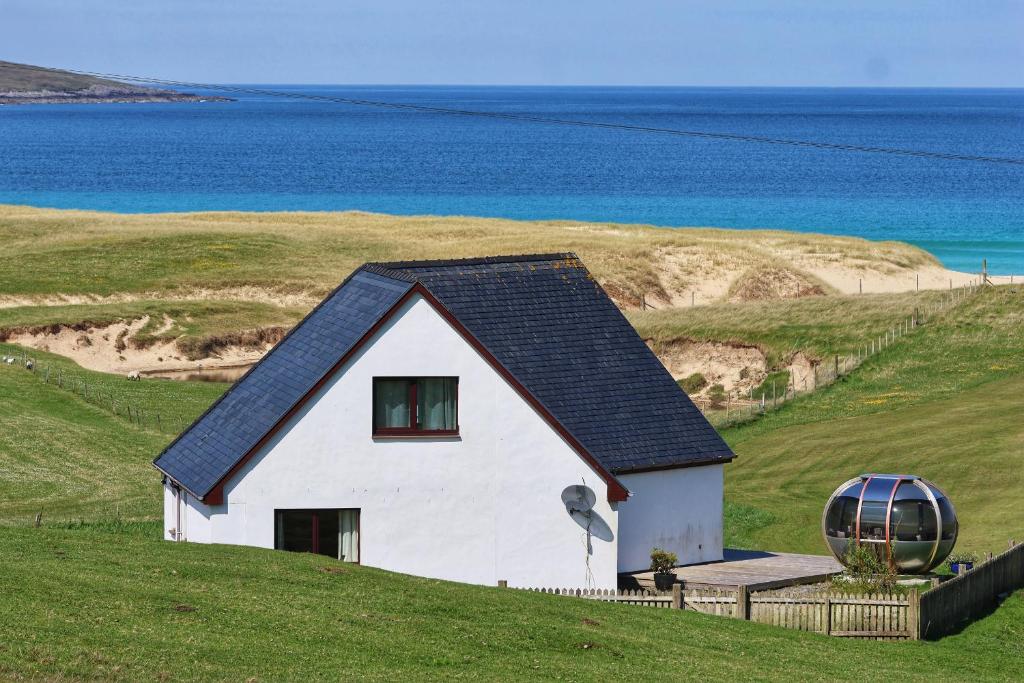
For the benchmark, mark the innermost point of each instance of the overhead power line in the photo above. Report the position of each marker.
(832, 146)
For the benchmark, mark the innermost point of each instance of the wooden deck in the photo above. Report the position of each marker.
(757, 570)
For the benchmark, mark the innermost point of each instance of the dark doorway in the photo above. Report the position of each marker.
(330, 532)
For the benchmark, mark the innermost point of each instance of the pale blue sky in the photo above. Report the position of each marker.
(780, 42)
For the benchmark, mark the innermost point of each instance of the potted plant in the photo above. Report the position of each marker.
(962, 562)
(662, 562)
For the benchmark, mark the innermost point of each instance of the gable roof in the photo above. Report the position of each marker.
(541, 320)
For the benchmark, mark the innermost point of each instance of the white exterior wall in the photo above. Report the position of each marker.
(478, 508)
(195, 517)
(679, 510)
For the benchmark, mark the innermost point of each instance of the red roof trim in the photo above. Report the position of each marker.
(616, 491)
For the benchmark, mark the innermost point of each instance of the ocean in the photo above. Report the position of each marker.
(262, 153)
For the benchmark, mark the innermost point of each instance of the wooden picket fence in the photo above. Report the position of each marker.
(875, 616)
(971, 594)
(881, 616)
(709, 601)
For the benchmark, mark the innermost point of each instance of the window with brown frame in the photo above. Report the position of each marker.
(411, 406)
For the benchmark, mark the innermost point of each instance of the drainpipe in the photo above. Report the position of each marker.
(182, 533)
(177, 512)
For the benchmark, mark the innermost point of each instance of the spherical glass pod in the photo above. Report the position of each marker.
(909, 521)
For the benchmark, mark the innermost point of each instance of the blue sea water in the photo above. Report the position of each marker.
(268, 154)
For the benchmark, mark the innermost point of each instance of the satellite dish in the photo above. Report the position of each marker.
(578, 499)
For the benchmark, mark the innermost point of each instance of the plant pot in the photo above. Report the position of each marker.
(663, 580)
(958, 567)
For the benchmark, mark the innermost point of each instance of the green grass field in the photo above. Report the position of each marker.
(51, 252)
(819, 327)
(66, 454)
(943, 403)
(115, 603)
(108, 600)
(219, 274)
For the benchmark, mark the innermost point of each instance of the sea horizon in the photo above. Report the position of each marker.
(272, 154)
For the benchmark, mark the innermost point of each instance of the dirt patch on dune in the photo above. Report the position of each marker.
(115, 347)
(801, 372)
(737, 367)
(773, 282)
(731, 365)
(219, 345)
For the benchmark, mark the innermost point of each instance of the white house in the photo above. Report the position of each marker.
(473, 420)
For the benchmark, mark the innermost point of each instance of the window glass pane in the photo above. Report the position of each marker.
(391, 403)
(437, 403)
(295, 531)
(842, 516)
(327, 529)
(876, 503)
(913, 516)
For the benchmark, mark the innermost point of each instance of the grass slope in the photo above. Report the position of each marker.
(26, 78)
(74, 266)
(819, 327)
(976, 342)
(117, 604)
(947, 395)
(110, 601)
(68, 457)
(970, 445)
(49, 252)
(944, 403)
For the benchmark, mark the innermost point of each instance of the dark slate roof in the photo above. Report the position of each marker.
(551, 325)
(208, 450)
(544, 318)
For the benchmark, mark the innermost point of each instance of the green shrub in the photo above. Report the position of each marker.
(717, 396)
(693, 383)
(866, 572)
(662, 560)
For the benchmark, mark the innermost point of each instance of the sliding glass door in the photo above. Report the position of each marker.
(331, 532)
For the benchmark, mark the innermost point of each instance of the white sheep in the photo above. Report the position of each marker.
(134, 376)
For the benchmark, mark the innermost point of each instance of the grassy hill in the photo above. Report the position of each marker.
(943, 403)
(108, 600)
(24, 83)
(114, 603)
(65, 453)
(948, 395)
(106, 255)
(27, 78)
(818, 326)
(217, 274)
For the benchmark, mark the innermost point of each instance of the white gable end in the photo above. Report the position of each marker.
(481, 507)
